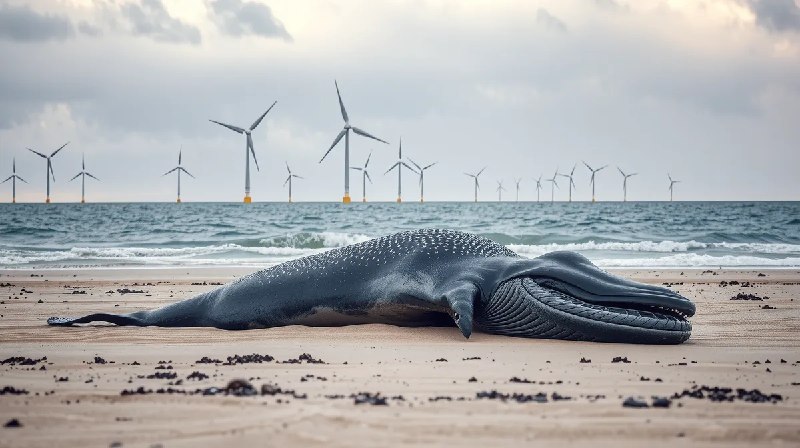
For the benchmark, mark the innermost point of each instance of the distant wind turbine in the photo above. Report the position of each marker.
(180, 168)
(538, 187)
(592, 179)
(553, 186)
(289, 180)
(248, 150)
(500, 190)
(399, 165)
(421, 171)
(477, 185)
(671, 183)
(345, 132)
(13, 178)
(49, 171)
(517, 181)
(83, 175)
(364, 177)
(625, 183)
(571, 182)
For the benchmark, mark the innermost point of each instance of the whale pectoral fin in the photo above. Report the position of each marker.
(461, 300)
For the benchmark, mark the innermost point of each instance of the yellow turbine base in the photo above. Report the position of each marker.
(421, 200)
(178, 201)
(83, 201)
(47, 201)
(346, 198)
(290, 199)
(248, 199)
(399, 199)
(364, 200)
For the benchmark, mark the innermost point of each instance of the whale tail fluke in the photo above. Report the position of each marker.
(117, 319)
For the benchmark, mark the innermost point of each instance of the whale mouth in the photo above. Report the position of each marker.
(547, 308)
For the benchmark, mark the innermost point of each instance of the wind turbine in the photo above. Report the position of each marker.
(13, 178)
(571, 182)
(83, 173)
(625, 183)
(364, 177)
(671, 183)
(553, 186)
(399, 165)
(538, 187)
(179, 168)
(49, 171)
(594, 171)
(421, 178)
(500, 190)
(289, 180)
(248, 150)
(477, 185)
(345, 132)
(517, 181)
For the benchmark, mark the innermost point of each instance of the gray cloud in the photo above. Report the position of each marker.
(150, 18)
(89, 29)
(612, 5)
(776, 15)
(239, 18)
(21, 23)
(550, 21)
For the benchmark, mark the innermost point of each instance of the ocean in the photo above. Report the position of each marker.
(612, 234)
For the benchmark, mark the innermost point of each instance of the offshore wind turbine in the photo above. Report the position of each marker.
(671, 183)
(49, 171)
(594, 171)
(517, 181)
(500, 190)
(13, 178)
(345, 132)
(421, 170)
(625, 183)
(289, 180)
(364, 177)
(83, 173)
(179, 168)
(553, 186)
(538, 187)
(571, 182)
(477, 185)
(248, 150)
(399, 165)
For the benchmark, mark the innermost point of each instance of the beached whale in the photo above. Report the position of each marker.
(435, 277)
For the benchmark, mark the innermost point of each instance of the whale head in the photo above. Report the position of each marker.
(563, 295)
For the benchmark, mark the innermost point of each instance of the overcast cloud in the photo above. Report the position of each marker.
(709, 92)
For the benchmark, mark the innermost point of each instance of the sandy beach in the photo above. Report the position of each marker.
(439, 389)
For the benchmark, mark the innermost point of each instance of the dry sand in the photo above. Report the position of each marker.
(735, 344)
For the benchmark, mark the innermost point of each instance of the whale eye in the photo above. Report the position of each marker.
(456, 316)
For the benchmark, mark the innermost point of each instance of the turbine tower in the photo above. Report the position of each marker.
(421, 170)
(364, 177)
(477, 185)
(179, 168)
(49, 171)
(594, 171)
(83, 175)
(517, 181)
(500, 190)
(538, 187)
(671, 183)
(248, 150)
(289, 180)
(553, 186)
(345, 132)
(13, 178)
(571, 182)
(625, 183)
(399, 165)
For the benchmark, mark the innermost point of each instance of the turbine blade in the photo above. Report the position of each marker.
(252, 150)
(587, 166)
(341, 103)
(184, 170)
(22, 179)
(621, 172)
(368, 157)
(170, 171)
(434, 163)
(368, 178)
(414, 163)
(407, 166)
(631, 175)
(602, 167)
(37, 153)
(297, 177)
(88, 174)
(335, 141)
(258, 122)
(367, 134)
(59, 149)
(76, 176)
(393, 167)
(232, 128)
(50, 167)
(8, 179)
(470, 175)
(356, 168)
(287, 180)
(287, 168)
(479, 172)
(573, 169)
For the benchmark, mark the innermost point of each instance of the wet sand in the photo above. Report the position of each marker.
(431, 378)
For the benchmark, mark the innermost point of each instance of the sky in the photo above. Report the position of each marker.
(708, 91)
